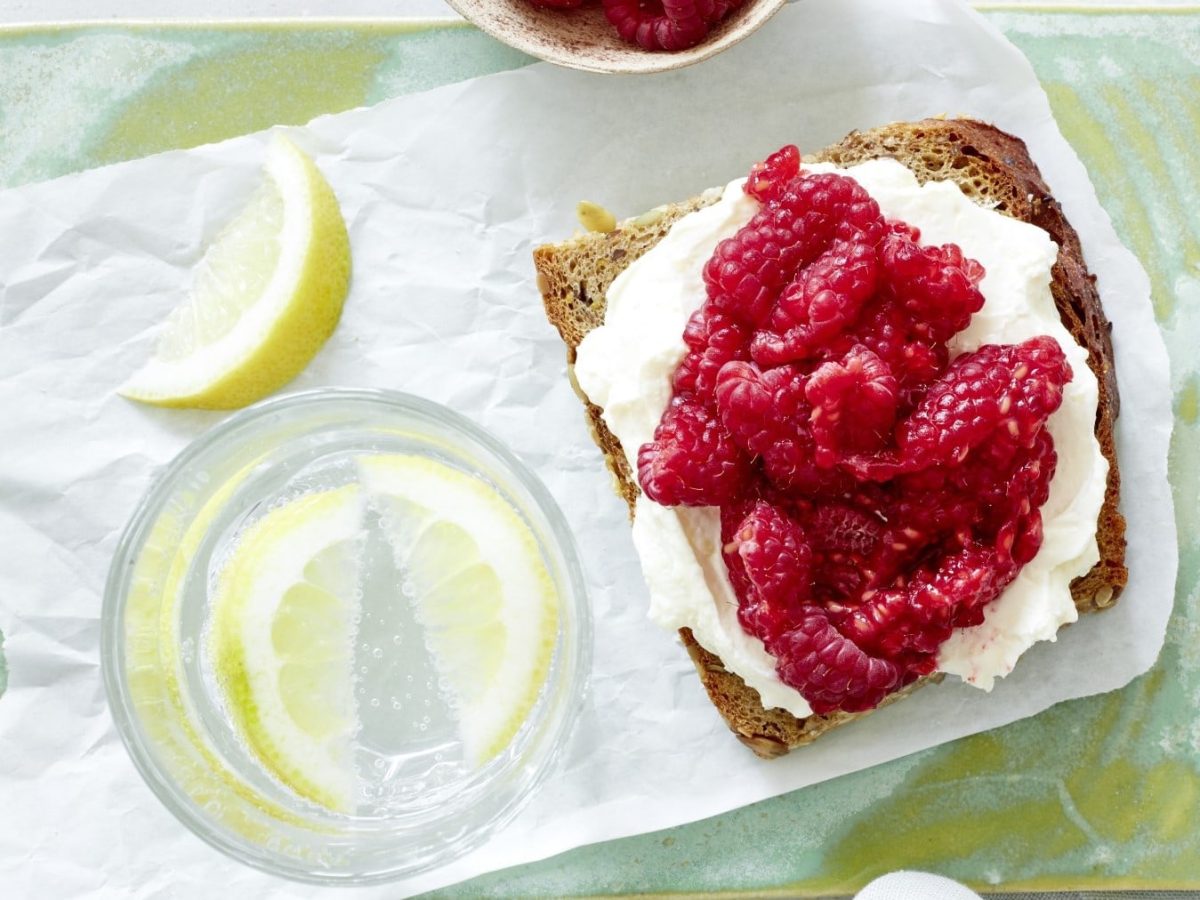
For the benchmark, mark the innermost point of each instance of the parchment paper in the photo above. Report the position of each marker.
(445, 194)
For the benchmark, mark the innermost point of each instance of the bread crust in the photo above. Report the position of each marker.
(994, 169)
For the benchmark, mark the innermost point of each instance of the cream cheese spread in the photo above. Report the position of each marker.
(625, 367)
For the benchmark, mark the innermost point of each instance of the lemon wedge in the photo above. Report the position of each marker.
(265, 297)
(480, 589)
(282, 635)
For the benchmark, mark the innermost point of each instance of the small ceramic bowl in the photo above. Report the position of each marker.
(584, 39)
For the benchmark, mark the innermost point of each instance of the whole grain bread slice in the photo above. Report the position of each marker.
(993, 168)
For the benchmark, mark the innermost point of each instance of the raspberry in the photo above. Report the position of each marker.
(821, 303)
(1027, 538)
(722, 8)
(895, 226)
(1013, 388)
(769, 177)
(846, 529)
(747, 271)
(1004, 388)
(854, 404)
(713, 340)
(1017, 519)
(775, 560)
(768, 416)
(828, 669)
(657, 24)
(937, 286)
(661, 24)
(911, 622)
(762, 408)
(888, 331)
(692, 461)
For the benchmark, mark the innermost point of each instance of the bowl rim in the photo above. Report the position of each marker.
(756, 14)
(577, 665)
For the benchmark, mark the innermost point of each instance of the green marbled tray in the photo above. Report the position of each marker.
(1096, 793)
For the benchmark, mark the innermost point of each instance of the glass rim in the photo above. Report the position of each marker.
(576, 670)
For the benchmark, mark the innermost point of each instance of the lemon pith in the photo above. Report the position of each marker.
(266, 297)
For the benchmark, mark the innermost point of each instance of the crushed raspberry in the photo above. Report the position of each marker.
(874, 494)
(692, 460)
(769, 178)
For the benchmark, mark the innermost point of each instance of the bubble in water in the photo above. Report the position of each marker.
(395, 703)
(428, 702)
(397, 640)
(363, 669)
(366, 646)
(408, 678)
(422, 727)
(379, 763)
(408, 589)
(377, 653)
(374, 703)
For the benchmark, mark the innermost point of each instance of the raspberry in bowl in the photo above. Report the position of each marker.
(619, 36)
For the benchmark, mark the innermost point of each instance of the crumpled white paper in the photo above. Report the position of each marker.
(445, 194)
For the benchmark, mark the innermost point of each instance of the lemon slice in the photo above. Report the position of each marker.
(265, 297)
(480, 589)
(282, 642)
(155, 668)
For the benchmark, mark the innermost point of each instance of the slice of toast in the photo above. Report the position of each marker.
(992, 168)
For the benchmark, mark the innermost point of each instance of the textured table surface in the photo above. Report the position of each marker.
(1097, 793)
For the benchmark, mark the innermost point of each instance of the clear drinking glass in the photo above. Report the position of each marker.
(427, 808)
